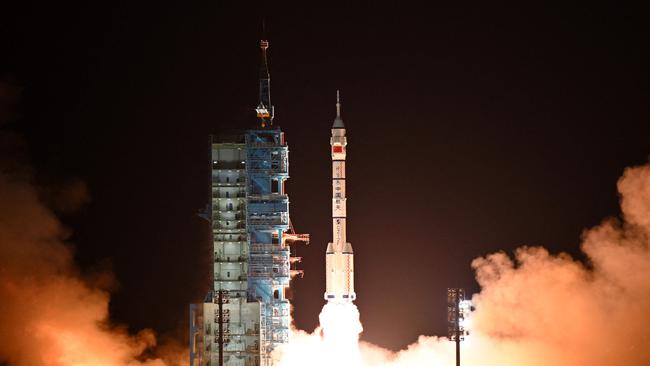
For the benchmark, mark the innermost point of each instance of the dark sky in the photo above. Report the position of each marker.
(471, 129)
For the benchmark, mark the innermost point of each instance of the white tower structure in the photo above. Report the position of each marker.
(246, 315)
(339, 259)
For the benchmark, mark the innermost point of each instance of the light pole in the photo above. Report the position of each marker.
(457, 310)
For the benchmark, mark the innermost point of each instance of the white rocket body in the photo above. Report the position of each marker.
(339, 259)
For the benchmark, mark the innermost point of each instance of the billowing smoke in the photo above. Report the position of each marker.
(51, 315)
(538, 308)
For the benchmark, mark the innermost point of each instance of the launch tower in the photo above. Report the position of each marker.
(246, 314)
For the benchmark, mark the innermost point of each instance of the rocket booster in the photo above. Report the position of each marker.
(339, 259)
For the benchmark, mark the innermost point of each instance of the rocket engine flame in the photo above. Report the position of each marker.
(341, 329)
(334, 342)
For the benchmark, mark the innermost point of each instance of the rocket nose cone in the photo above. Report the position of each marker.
(348, 248)
(330, 248)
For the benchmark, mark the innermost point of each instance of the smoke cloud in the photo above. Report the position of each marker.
(538, 308)
(50, 314)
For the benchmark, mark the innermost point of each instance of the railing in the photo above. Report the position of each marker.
(265, 144)
(280, 220)
(268, 248)
(233, 279)
(268, 274)
(228, 165)
(228, 259)
(234, 182)
(229, 184)
(271, 170)
(230, 238)
(217, 225)
(260, 198)
(222, 243)
(219, 194)
(230, 216)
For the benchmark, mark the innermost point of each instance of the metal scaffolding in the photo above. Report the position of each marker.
(247, 313)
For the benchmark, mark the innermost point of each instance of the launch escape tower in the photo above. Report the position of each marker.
(247, 313)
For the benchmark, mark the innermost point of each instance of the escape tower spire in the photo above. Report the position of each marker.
(264, 108)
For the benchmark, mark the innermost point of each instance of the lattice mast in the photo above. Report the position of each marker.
(265, 110)
(457, 313)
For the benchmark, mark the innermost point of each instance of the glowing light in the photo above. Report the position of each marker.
(341, 329)
(465, 306)
(334, 343)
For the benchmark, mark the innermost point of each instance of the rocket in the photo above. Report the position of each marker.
(339, 259)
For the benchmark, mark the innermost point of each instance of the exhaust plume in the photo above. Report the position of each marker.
(538, 308)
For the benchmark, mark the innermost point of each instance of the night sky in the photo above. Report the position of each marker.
(471, 129)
